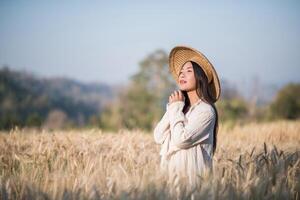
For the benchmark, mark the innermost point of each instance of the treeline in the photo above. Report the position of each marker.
(27, 101)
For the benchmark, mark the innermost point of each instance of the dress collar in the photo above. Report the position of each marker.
(196, 103)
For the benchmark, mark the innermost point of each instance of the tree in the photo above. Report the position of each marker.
(287, 102)
(34, 119)
(56, 119)
(233, 109)
(231, 105)
(142, 103)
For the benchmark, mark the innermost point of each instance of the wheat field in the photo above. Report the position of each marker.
(252, 161)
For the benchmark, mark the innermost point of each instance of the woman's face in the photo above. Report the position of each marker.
(187, 81)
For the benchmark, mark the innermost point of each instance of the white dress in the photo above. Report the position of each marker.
(186, 140)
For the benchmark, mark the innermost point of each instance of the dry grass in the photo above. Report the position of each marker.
(255, 161)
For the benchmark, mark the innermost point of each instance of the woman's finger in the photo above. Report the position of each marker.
(174, 93)
(180, 95)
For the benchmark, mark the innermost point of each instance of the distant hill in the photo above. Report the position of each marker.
(24, 98)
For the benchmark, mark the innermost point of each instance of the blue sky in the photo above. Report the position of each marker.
(104, 41)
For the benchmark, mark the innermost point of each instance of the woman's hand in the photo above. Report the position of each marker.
(177, 95)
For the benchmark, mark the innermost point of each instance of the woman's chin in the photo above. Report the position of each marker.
(186, 89)
(182, 88)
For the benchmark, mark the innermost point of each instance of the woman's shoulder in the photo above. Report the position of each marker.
(206, 108)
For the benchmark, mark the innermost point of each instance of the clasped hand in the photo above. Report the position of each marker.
(177, 95)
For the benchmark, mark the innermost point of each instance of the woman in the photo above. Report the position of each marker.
(187, 131)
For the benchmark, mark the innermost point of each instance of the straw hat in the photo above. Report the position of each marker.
(179, 55)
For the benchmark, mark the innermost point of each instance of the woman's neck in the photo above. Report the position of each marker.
(193, 97)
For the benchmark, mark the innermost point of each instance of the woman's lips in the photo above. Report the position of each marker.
(182, 82)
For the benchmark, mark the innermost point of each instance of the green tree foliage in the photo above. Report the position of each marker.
(139, 108)
(287, 102)
(233, 109)
(34, 119)
(143, 102)
(231, 106)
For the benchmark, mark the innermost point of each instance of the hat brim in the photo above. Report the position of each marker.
(179, 55)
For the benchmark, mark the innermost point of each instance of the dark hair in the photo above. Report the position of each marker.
(204, 94)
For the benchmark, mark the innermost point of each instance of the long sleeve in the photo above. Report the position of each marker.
(196, 130)
(162, 128)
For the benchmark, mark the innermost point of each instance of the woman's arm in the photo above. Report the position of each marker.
(162, 128)
(186, 135)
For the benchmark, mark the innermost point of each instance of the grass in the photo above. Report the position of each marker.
(252, 161)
